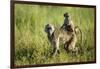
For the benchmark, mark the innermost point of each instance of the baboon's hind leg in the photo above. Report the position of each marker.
(72, 44)
(66, 46)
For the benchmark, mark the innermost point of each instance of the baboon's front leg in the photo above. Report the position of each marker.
(56, 47)
(54, 51)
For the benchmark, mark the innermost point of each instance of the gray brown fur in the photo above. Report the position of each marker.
(57, 35)
(66, 34)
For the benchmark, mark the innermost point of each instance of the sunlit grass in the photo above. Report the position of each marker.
(31, 43)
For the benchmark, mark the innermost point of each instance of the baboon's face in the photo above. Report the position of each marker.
(49, 29)
(66, 15)
(66, 19)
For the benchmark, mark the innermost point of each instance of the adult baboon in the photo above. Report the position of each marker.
(55, 35)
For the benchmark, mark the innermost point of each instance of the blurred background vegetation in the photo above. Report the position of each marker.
(31, 43)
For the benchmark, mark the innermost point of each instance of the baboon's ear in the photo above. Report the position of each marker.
(66, 15)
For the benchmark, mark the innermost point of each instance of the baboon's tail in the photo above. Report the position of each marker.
(76, 31)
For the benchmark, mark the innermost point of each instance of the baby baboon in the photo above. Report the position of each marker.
(55, 35)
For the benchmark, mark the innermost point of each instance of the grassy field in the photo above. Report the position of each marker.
(31, 43)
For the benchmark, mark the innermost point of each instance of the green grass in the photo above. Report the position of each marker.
(31, 43)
